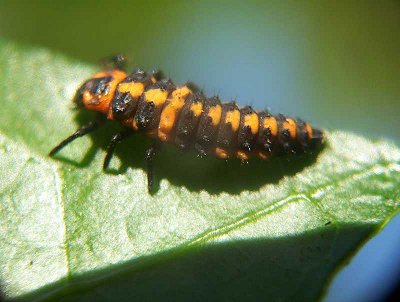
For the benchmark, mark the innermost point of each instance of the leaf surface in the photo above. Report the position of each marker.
(213, 230)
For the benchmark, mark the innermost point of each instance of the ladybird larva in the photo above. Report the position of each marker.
(183, 116)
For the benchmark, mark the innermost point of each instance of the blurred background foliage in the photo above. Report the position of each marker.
(334, 63)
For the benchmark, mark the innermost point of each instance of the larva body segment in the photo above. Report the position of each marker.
(190, 120)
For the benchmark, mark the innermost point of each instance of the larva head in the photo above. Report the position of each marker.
(97, 93)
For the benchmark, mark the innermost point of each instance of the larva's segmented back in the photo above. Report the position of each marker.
(187, 118)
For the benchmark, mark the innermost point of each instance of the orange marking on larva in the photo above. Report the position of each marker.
(251, 120)
(102, 102)
(309, 131)
(196, 109)
(181, 92)
(221, 153)
(290, 125)
(168, 119)
(242, 155)
(233, 118)
(271, 123)
(215, 114)
(134, 89)
(87, 97)
(153, 79)
(157, 96)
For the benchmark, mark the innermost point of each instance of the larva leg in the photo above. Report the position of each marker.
(115, 140)
(78, 133)
(115, 62)
(149, 156)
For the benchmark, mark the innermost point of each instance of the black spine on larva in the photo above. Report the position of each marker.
(226, 137)
(123, 106)
(246, 139)
(96, 86)
(187, 123)
(265, 139)
(283, 143)
(206, 131)
(99, 86)
(301, 136)
(147, 116)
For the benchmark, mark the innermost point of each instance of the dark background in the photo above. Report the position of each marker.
(334, 64)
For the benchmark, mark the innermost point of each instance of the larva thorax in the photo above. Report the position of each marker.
(185, 117)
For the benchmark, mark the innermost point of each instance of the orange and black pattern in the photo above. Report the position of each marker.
(185, 117)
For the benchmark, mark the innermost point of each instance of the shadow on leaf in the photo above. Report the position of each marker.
(184, 168)
(279, 269)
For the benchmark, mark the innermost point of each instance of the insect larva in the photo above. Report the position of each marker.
(185, 117)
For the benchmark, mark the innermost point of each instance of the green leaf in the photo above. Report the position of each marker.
(213, 230)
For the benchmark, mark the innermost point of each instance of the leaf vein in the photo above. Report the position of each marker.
(57, 182)
(256, 215)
